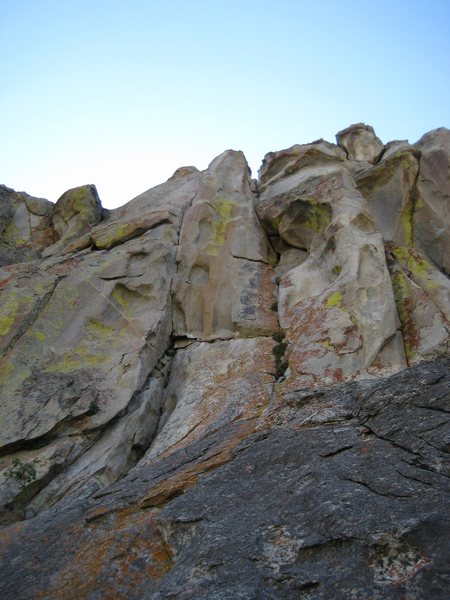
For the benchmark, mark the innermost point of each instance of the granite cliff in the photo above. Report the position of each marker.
(228, 387)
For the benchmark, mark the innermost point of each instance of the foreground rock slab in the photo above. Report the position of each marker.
(341, 492)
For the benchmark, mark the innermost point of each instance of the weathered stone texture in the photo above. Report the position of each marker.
(231, 388)
(25, 226)
(432, 210)
(339, 493)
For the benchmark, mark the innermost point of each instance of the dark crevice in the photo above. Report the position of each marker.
(419, 465)
(116, 277)
(256, 260)
(374, 491)
(50, 436)
(434, 408)
(421, 481)
(337, 452)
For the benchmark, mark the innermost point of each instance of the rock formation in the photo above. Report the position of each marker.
(231, 388)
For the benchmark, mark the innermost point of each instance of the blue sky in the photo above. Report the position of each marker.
(120, 94)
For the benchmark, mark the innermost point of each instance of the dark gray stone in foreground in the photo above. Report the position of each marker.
(344, 495)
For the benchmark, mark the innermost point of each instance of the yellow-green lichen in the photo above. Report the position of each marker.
(113, 234)
(419, 268)
(327, 344)
(39, 336)
(219, 226)
(276, 221)
(11, 309)
(272, 257)
(407, 223)
(123, 296)
(97, 329)
(334, 300)
(14, 235)
(80, 358)
(404, 302)
(317, 216)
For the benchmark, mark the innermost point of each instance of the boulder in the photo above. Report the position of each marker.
(360, 143)
(74, 214)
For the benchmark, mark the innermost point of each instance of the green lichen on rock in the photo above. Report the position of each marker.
(334, 300)
(417, 265)
(98, 329)
(13, 306)
(223, 211)
(113, 234)
(80, 358)
(316, 216)
(404, 302)
(407, 216)
(337, 269)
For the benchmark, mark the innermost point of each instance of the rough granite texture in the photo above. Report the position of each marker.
(231, 388)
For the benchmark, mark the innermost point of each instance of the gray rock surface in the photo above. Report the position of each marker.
(231, 388)
(337, 493)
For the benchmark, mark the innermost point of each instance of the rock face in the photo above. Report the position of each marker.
(229, 388)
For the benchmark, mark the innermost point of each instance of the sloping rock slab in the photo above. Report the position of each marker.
(333, 493)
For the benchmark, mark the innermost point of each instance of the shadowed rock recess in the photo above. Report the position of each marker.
(231, 388)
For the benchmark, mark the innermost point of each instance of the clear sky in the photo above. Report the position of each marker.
(121, 93)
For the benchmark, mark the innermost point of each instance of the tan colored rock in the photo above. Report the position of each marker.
(212, 385)
(360, 142)
(432, 209)
(337, 307)
(223, 287)
(280, 164)
(390, 190)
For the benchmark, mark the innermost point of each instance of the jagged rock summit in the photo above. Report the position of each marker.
(231, 388)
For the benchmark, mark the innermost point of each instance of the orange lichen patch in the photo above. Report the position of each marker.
(97, 513)
(181, 481)
(170, 488)
(325, 343)
(117, 559)
(4, 281)
(335, 374)
(236, 390)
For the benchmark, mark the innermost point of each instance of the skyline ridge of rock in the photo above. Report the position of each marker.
(290, 331)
